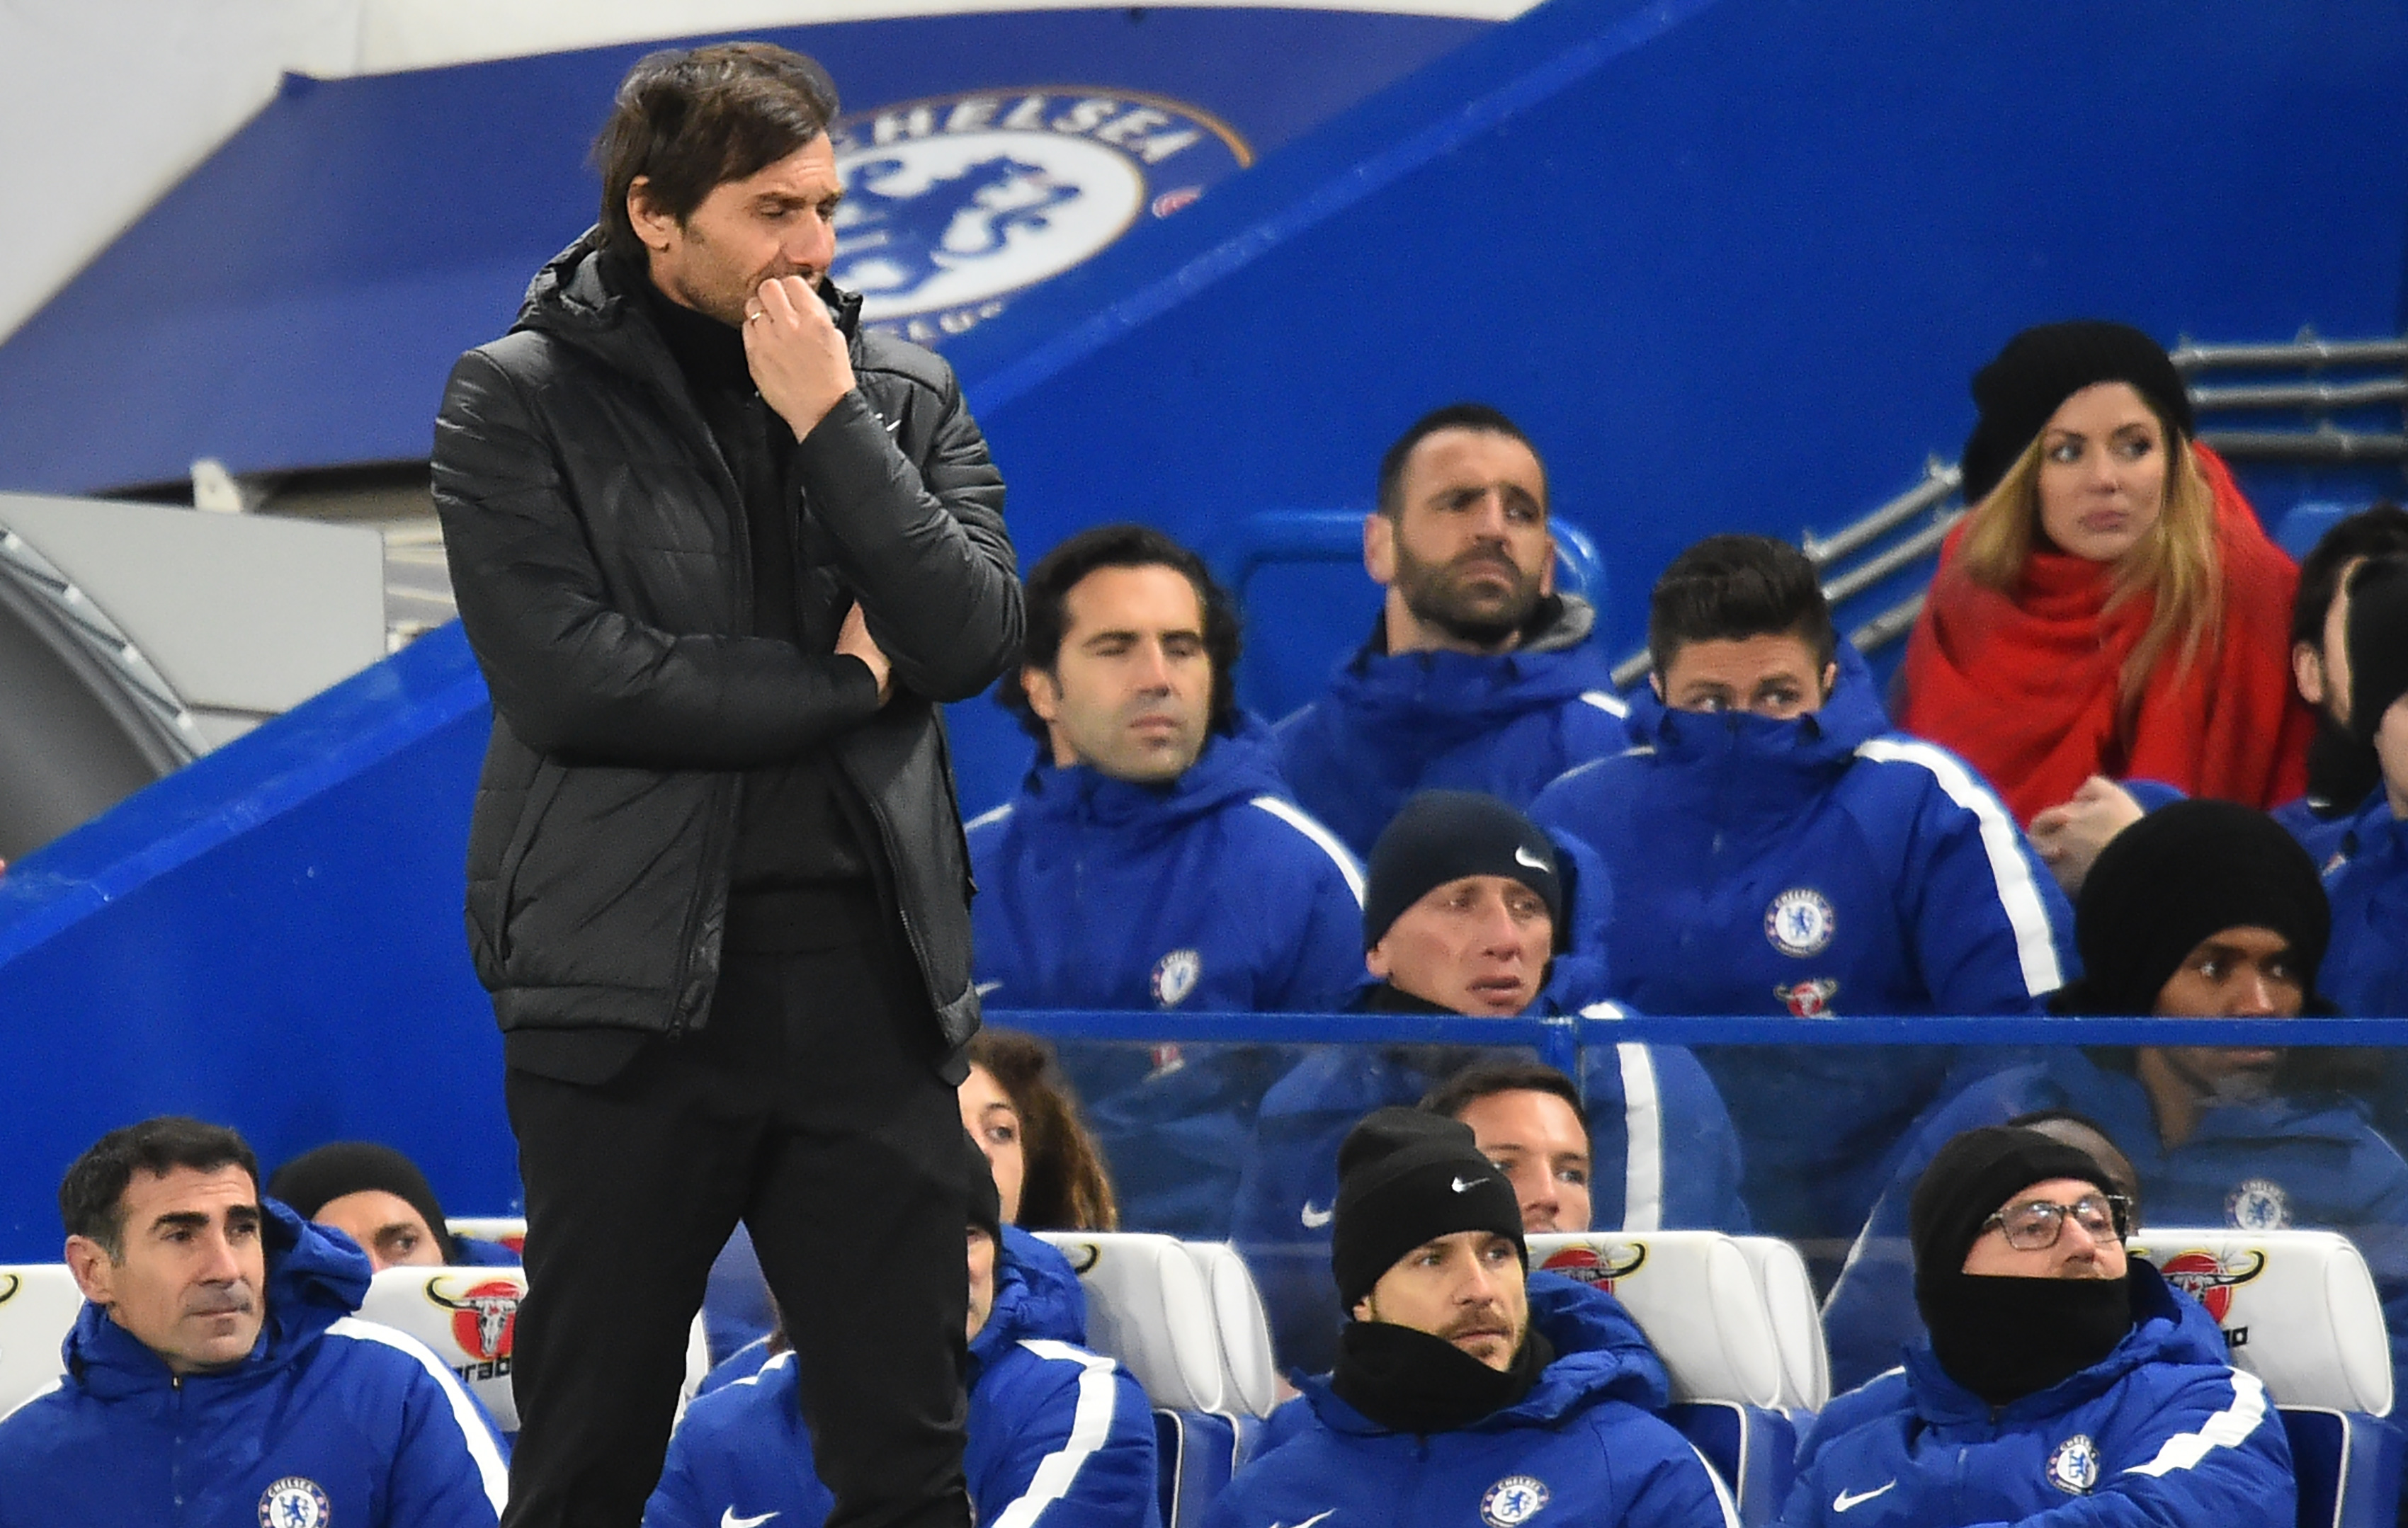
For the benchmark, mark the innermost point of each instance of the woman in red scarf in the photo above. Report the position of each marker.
(2110, 606)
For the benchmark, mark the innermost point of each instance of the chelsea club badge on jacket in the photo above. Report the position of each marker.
(1799, 922)
(2073, 1467)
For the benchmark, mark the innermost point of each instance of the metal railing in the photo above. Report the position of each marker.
(171, 722)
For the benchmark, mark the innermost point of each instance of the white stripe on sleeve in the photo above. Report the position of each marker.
(473, 1432)
(2226, 1429)
(1303, 823)
(1610, 704)
(994, 814)
(1642, 1123)
(2010, 871)
(1091, 1424)
(1722, 1491)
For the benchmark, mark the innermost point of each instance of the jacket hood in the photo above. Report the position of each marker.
(314, 1280)
(1779, 761)
(1234, 768)
(1600, 1355)
(2168, 1327)
(581, 296)
(1440, 699)
(1036, 1295)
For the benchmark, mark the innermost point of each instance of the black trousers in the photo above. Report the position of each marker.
(811, 1107)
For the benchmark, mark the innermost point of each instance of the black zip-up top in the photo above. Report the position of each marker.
(601, 558)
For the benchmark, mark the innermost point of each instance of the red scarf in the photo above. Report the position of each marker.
(2025, 686)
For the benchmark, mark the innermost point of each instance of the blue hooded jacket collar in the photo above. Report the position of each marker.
(1233, 767)
(2372, 832)
(1600, 1355)
(1432, 701)
(314, 1280)
(1036, 1295)
(1752, 765)
(2166, 1328)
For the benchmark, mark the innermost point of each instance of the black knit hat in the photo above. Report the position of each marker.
(2178, 876)
(986, 1200)
(2041, 368)
(1444, 835)
(1406, 1176)
(1970, 1177)
(316, 1179)
(2379, 643)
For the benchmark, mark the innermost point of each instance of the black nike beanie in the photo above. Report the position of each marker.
(1404, 1177)
(1444, 835)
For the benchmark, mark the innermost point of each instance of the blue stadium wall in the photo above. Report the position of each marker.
(1730, 261)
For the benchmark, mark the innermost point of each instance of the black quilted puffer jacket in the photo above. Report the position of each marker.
(599, 555)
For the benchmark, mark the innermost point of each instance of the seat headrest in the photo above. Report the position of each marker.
(1796, 1319)
(1247, 1368)
(468, 1316)
(1149, 1306)
(2298, 1308)
(38, 1305)
(508, 1230)
(1694, 1294)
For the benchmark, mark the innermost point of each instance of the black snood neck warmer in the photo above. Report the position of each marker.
(1410, 1381)
(2007, 1338)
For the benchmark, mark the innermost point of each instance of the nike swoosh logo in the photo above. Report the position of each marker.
(1460, 1185)
(1313, 1220)
(1847, 1499)
(1523, 856)
(729, 1519)
(1311, 1521)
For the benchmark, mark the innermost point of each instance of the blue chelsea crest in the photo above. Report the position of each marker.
(2259, 1204)
(1515, 1499)
(1175, 976)
(953, 202)
(2073, 1467)
(1799, 922)
(296, 1501)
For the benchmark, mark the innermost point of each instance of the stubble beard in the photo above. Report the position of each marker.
(1437, 596)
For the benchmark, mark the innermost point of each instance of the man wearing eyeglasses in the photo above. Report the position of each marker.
(2060, 1376)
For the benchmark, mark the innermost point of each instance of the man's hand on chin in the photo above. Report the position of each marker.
(798, 356)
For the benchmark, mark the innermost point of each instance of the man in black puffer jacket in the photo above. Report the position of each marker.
(720, 555)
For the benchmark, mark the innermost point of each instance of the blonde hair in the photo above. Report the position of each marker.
(2175, 560)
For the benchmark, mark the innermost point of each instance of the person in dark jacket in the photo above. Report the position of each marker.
(2064, 1383)
(1778, 848)
(1057, 1434)
(1153, 859)
(721, 555)
(1463, 914)
(1478, 676)
(1468, 1389)
(216, 1377)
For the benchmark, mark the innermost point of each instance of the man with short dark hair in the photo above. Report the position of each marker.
(1529, 1120)
(2366, 876)
(722, 553)
(215, 1377)
(1779, 849)
(1468, 1389)
(1153, 859)
(1477, 674)
(2340, 770)
(2063, 1382)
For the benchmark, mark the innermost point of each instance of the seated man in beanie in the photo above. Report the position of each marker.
(1057, 1434)
(216, 1377)
(1467, 909)
(2063, 1383)
(379, 1198)
(2202, 910)
(1468, 1389)
(1779, 849)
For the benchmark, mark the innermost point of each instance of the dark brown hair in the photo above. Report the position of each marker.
(92, 1196)
(689, 119)
(1064, 1186)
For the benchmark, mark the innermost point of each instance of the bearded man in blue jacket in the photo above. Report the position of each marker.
(2367, 876)
(1468, 911)
(216, 1377)
(1468, 1390)
(1057, 1435)
(1775, 849)
(1478, 676)
(1153, 859)
(2063, 1383)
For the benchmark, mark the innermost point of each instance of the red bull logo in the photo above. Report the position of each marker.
(484, 1320)
(2211, 1279)
(1619, 1259)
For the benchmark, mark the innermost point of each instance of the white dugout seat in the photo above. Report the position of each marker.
(38, 1302)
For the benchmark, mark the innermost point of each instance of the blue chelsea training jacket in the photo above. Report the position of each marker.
(1057, 1434)
(331, 1420)
(1394, 724)
(1580, 1450)
(1820, 866)
(2159, 1431)
(1214, 894)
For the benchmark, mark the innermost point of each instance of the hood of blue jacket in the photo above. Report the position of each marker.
(1774, 764)
(1234, 766)
(2167, 1328)
(314, 1280)
(1036, 1295)
(1430, 702)
(1600, 1355)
